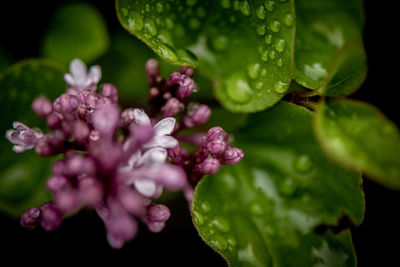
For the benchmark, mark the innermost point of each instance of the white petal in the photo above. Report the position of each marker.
(154, 156)
(78, 71)
(95, 74)
(69, 79)
(164, 141)
(141, 118)
(165, 126)
(146, 187)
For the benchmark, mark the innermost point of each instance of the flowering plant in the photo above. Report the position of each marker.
(270, 162)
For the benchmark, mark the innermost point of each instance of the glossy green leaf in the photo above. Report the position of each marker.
(245, 46)
(359, 137)
(22, 176)
(329, 50)
(76, 31)
(264, 211)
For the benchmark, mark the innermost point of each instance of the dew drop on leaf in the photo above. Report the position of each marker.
(254, 70)
(275, 26)
(280, 87)
(238, 88)
(261, 13)
(269, 5)
(302, 164)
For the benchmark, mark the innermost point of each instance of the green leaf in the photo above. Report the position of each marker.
(245, 46)
(76, 31)
(22, 176)
(264, 211)
(357, 136)
(329, 50)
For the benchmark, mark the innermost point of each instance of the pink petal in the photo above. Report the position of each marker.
(164, 141)
(154, 156)
(141, 118)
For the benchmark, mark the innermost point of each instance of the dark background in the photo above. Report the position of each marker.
(83, 237)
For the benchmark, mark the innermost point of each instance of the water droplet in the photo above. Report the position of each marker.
(254, 70)
(288, 20)
(124, 11)
(151, 27)
(263, 72)
(194, 24)
(268, 39)
(191, 2)
(261, 13)
(280, 45)
(302, 164)
(279, 62)
(219, 242)
(206, 207)
(260, 29)
(259, 85)
(159, 7)
(256, 209)
(166, 52)
(221, 224)
(281, 87)
(275, 26)
(238, 89)
(288, 187)
(220, 43)
(231, 241)
(264, 56)
(147, 7)
(269, 5)
(135, 21)
(198, 218)
(245, 8)
(272, 54)
(225, 3)
(169, 23)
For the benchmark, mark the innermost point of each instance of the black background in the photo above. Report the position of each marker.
(83, 237)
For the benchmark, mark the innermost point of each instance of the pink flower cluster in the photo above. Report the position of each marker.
(118, 162)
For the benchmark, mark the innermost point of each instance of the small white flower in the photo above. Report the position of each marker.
(80, 79)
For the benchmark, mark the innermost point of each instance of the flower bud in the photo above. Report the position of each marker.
(188, 71)
(208, 166)
(110, 91)
(30, 219)
(216, 147)
(152, 71)
(186, 87)
(51, 218)
(172, 107)
(232, 156)
(198, 115)
(216, 133)
(157, 213)
(42, 106)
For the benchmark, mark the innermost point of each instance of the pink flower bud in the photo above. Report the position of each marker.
(216, 133)
(198, 115)
(216, 147)
(232, 156)
(172, 107)
(186, 87)
(42, 106)
(110, 91)
(30, 219)
(157, 213)
(208, 166)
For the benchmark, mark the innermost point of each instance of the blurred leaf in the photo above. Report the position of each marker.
(77, 30)
(357, 136)
(22, 176)
(329, 45)
(246, 47)
(5, 60)
(264, 211)
(124, 66)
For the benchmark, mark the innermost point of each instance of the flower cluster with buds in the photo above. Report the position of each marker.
(118, 162)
